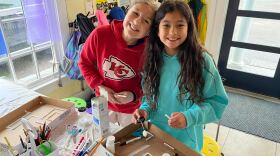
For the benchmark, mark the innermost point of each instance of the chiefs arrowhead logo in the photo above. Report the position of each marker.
(115, 69)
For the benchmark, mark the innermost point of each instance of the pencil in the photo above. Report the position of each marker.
(8, 143)
(96, 146)
(47, 137)
(43, 131)
(25, 133)
(21, 141)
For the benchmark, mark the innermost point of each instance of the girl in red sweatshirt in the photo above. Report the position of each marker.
(112, 58)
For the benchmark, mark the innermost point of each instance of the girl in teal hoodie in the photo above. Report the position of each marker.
(182, 87)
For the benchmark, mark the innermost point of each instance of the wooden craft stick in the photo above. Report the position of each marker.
(96, 146)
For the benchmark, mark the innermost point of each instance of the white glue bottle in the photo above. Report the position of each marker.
(110, 144)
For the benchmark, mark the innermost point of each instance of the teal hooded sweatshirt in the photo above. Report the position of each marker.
(196, 115)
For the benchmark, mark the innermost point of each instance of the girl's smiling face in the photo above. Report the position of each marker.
(137, 22)
(173, 31)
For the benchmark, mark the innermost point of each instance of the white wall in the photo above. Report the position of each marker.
(217, 10)
(69, 88)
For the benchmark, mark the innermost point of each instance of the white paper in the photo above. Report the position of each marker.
(13, 95)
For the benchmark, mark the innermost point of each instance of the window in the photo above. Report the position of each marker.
(255, 41)
(27, 47)
(250, 50)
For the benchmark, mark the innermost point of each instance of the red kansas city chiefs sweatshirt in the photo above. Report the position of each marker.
(107, 60)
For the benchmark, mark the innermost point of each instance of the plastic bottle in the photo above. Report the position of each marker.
(84, 119)
(110, 144)
(100, 117)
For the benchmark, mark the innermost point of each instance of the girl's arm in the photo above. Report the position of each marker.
(146, 107)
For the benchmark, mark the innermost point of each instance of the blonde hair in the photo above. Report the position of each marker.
(151, 3)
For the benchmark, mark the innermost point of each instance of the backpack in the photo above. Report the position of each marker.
(83, 27)
(72, 56)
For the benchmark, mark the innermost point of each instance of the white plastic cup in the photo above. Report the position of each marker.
(110, 144)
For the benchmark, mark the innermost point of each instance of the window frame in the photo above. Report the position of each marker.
(57, 47)
(234, 12)
(242, 80)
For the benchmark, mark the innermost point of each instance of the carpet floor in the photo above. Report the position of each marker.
(253, 116)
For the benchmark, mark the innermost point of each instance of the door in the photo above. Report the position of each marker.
(250, 50)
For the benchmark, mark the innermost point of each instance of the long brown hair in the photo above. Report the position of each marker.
(189, 55)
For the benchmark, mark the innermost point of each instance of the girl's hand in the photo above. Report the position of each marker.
(111, 97)
(124, 97)
(177, 120)
(137, 114)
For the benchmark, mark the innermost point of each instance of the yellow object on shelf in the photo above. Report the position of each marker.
(101, 1)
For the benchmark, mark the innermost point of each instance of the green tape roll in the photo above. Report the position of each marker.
(78, 102)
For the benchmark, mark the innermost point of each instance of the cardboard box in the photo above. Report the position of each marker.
(38, 111)
(156, 146)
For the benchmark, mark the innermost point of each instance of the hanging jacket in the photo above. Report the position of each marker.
(101, 18)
